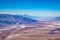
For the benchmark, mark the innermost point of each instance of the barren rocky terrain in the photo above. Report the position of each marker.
(21, 28)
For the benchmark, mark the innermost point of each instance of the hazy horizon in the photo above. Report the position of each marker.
(30, 7)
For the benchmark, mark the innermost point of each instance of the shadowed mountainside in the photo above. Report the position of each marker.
(7, 19)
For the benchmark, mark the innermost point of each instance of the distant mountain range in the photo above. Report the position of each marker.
(57, 18)
(7, 19)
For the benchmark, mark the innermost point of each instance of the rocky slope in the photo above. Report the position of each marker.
(19, 27)
(8, 20)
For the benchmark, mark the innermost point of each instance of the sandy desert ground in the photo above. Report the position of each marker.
(38, 32)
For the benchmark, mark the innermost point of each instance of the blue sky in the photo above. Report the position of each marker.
(31, 7)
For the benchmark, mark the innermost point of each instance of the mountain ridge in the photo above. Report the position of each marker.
(8, 19)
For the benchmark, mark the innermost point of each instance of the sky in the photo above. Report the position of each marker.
(30, 7)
